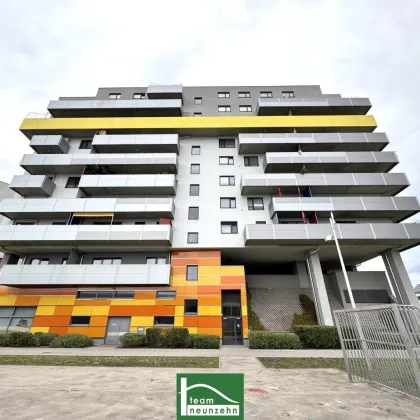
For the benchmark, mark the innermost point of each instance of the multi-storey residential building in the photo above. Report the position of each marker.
(159, 205)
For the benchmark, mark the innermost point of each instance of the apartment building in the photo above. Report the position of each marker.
(161, 206)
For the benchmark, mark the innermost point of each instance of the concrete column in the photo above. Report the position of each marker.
(9, 259)
(74, 257)
(316, 278)
(303, 275)
(399, 278)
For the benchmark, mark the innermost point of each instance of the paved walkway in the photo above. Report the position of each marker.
(228, 351)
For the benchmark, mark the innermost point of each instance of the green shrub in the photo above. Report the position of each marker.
(4, 339)
(44, 339)
(254, 322)
(175, 338)
(203, 341)
(318, 336)
(72, 340)
(133, 340)
(308, 306)
(302, 319)
(270, 340)
(154, 337)
(20, 339)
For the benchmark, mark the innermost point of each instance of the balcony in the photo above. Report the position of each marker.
(32, 185)
(81, 235)
(50, 144)
(122, 163)
(128, 184)
(289, 162)
(164, 91)
(313, 106)
(325, 184)
(311, 142)
(115, 108)
(131, 143)
(85, 275)
(61, 208)
(394, 208)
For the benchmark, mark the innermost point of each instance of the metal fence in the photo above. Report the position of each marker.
(381, 344)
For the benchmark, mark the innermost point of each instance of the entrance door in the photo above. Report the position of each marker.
(117, 327)
(232, 330)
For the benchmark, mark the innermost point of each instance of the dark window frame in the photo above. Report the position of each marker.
(249, 159)
(198, 114)
(233, 226)
(244, 94)
(198, 190)
(288, 94)
(165, 294)
(266, 94)
(195, 165)
(80, 318)
(141, 95)
(85, 144)
(194, 275)
(198, 100)
(223, 95)
(195, 148)
(188, 237)
(195, 304)
(164, 323)
(227, 176)
(224, 108)
(251, 203)
(230, 160)
(70, 182)
(225, 143)
(191, 211)
(248, 108)
(117, 95)
(231, 199)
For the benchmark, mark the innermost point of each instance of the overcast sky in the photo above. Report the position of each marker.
(353, 47)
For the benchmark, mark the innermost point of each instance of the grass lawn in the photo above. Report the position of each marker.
(302, 363)
(113, 361)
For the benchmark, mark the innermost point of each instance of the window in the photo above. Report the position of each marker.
(192, 238)
(114, 95)
(245, 108)
(288, 94)
(198, 114)
(105, 294)
(16, 318)
(226, 143)
(226, 180)
(166, 294)
(251, 160)
(85, 144)
(225, 160)
(198, 101)
(73, 182)
(266, 94)
(228, 203)
(88, 294)
(244, 95)
(24, 223)
(229, 227)
(260, 222)
(64, 261)
(223, 95)
(106, 261)
(193, 213)
(124, 294)
(231, 310)
(195, 168)
(224, 108)
(195, 150)
(80, 320)
(139, 95)
(194, 189)
(139, 223)
(190, 306)
(59, 223)
(192, 272)
(163, 320)
(155, 260)
(39, 261)
(255, 204)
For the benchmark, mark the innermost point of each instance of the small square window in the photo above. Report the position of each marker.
(226, 143)
(79, 320)
(192, 272)
(266, 94)
(192, 238)
(224, 108)
(288, 94)
(139, 95)
(245, 108)
(198, 114)
(251, 160)
(223, 95)
(194, 189)
(193, 213)
(195, 168)
(114, 95)
(227, 180)
(85, 144)
(190, 306)
(255, 203)
(198, 101)
(228, 203)
(163, 320)
(244, 95)
(225, 160)
(73, 182)
(229, 227)
(195, 150)
(166, 294)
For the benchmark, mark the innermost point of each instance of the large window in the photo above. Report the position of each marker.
(190, 306)
(106, 261)
(85, 144)
(251, 160)
(266, 94)
(228, 203)
(193, 213)
(245, 108)
(224, 108)
(114, 95)
(226, 143)
(223, 95)
(194, 189)
(155, 260)
(166, 294)
(164, 320)
(195, 150)
(229, 227)
(105, 294)
(244, 95)
(226, 180)
(192, 272)
(80, 320)
(73, 182)
(16, 318)
(288, 94)
(225, 160)
(195, 168)
(192, 238)
(255, 203)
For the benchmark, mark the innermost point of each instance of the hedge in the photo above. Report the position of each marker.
(170, 338)
(131, 340)
(203, 341)
(254, 321)
(72, 341)
(44, 339)
(17, 339)
(271, 340)
(302, 319)
(318, 336)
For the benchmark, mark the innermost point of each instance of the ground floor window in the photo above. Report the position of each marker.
(16, 318)
(164, 321)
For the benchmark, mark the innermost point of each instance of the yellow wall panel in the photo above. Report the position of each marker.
(143, 302)
(48, 300)
(66, 300)
(232, 270)
(123, 302)
(179, 310)
(82, 311)
(209, 310)
(209, 280)
(192, 330)
(45, 310)
(203, 271)
(133, 329)
(142, 321)
(179, 321)
(244, 310)
(100, 310)
(7, 300)
(178, 280)
(39, 329)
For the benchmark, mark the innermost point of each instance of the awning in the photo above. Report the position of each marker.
(93, 214)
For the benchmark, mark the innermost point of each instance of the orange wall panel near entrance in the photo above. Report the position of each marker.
(209, 321)
(190, 321)
(51, 321)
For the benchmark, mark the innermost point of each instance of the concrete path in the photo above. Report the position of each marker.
(236, 351)
(101, 393)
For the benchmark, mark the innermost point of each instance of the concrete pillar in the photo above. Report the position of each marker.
(399, 278)
(303, 275)
(316, 278)
(9, 259)
(75, 257)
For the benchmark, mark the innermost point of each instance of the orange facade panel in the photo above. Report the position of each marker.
(63, 310)
(98, 321)
(92, 302)
(142, 310)
(51, 321)
(148, 294)
(209, 321)
(209, 262)
(210, 330)
(209, 300)
(233, 280)
(190, 321)
(179, 270)
(58, 330)
(94, 332)
(209, 290)
(27, 300)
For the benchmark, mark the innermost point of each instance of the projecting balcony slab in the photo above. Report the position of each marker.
(50, 144)
(32, 185)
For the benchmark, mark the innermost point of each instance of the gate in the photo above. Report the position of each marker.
(381, 344)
